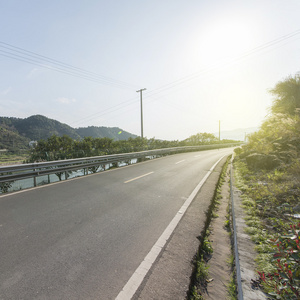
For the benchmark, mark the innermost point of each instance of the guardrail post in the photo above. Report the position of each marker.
(34, 179)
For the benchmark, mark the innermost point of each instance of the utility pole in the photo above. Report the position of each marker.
(219, 130)
(141, 93)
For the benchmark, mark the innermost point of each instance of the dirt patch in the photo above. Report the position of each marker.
(219, 263)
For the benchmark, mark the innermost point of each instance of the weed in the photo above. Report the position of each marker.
(214, 215)
(230, 261)
(254, 222)
(231, 289)
(264, 247)
(251, 230)
(202, 270)
(196, 294)
(207, 247)
(227, 224)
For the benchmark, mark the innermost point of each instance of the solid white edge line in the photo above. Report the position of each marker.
(138, 276)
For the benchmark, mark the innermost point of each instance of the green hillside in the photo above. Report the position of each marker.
(101, 132)
(39, 127)
(10, 138)
(16, 133)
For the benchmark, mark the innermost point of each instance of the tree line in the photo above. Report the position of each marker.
(64, 147)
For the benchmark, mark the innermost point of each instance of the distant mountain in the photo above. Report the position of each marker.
(39, 127)
(9, 136)
(237, 134)
(15, 133)
(101, 132)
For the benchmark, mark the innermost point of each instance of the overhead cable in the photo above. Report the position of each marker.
(21, 54)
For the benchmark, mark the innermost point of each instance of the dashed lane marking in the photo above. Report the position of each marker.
(138, 177)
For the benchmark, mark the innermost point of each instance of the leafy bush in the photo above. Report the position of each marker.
(285, 282)
(5, 186)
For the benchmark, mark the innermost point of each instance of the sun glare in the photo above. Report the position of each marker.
(224, 40)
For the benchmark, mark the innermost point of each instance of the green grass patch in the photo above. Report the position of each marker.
(231, 289)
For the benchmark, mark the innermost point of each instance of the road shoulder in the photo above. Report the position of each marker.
(169, 278)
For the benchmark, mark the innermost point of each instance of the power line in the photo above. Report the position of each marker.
(217, 66)
(184, 80)
(106, 111)
(39, 60)
(23, 55)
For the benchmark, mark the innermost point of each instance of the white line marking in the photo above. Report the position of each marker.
(180, 161)
(138, 177)
(138, 276)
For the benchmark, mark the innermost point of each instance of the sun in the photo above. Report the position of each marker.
(224, 40)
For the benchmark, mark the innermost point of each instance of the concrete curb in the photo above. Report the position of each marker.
(244, 253)
(235, 246)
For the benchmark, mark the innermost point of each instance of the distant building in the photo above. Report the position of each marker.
(32, 144)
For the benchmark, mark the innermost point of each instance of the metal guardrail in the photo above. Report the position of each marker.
(33, 170)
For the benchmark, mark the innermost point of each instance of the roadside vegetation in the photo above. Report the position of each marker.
(64, 147)
(38, 138)
(267, 171)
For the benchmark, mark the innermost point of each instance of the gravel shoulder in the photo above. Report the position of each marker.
(170, 276)
(220, 270)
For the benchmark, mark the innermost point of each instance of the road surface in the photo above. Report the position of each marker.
(84, 238)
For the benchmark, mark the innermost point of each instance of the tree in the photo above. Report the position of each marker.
(201, 139)
(103, 145)
(279, 134)
(287, 96)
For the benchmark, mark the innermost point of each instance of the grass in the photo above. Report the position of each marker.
(214, 215)
(231, 288)
(230, 261)
(268, 200)
(6, 159)
(207, 247)
(202, 270)
(196, 294)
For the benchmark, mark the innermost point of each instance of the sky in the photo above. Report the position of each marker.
(201, 62)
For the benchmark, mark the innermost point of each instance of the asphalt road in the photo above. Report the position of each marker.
(84, 238)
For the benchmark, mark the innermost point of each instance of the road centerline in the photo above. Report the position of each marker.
(179, 162)
(138, 177)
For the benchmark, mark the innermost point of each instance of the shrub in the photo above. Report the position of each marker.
(284, 283)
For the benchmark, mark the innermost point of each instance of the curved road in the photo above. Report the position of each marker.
(84, 238)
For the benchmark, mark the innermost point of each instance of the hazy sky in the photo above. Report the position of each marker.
(81, 62)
